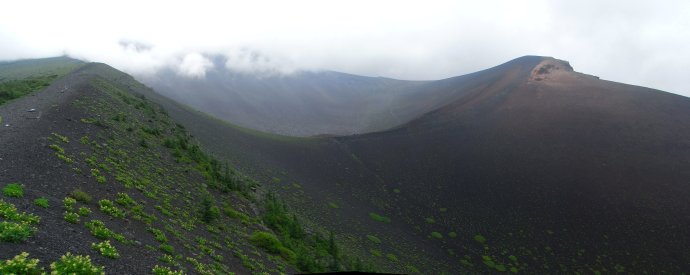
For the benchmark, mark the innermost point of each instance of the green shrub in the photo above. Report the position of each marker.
(13, 190)
(374, 239)
(69, 203)
(81, 196)
(71, 217)
(164, 270)
(209, 212)
(158, 234)
(266, 240)
(375, 252)
(392, 257)
(109, 208)
(98, 229)
(106, 249)
(379, 218)
(15, 231)
(9, 212)
(84, 211)
(75, 264)
(232, 213)
(452, 234)
(479, 238)
(61, 137)
(21, 264)
(125, 200)
(430, 220)
(166, 248)
(42, 202)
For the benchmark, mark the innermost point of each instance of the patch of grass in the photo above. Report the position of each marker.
(166, 248)
(164, 270)
(479, 238)
(396, 190)
(76, 264)
(374, 239)
(71, 217)
(60, 137)
(81, 196)
(266, 240)
(41, 202)
(84, 211)
(375, 252)
(158, 234)
(232, 213)
(106, 249)
(68, 203)
(99, 230)
(13, 190)
(452, 234)
(333, 205)
(209, 211)
(436, 235)
(21, 264)
(392, 257)
(18, 226)
(125, 200)
(19, 87)
(379, 218)
(109, 208)
(430, 220)
(15, 232)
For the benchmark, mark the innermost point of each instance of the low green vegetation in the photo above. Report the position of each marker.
(21, 264)
(109, 208)
(76, 264)
(41, 202)
(81, 196)
(479, 238)
(17, 88)
(13, 190)
(392, 257)
(436, 235)
(71, 217)
(106, 249)
(164, 270)
(84, 211)
(17, 227)
(374, 239)
(379, 218)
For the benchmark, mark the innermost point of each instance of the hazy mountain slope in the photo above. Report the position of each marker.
(37, 67)
(140, 184)
(530, 165)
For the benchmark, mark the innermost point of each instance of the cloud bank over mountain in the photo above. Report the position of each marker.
(638, 42)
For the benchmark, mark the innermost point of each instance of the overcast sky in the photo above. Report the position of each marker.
(638, 42)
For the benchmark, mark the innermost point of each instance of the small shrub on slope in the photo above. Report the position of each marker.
(106, 249)
(21, 264)
(42, 202)
(75, 264)
(13, 190)
(164, 270)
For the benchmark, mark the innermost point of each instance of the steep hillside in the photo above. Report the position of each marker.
(530, 167)
(90, 167)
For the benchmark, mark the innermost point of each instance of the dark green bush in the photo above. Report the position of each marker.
(13, 190)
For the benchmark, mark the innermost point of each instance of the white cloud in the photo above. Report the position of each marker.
(637, 42)
(194, 65)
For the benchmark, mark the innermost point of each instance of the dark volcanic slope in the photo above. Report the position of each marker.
(302, 103)
(557, 170)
